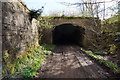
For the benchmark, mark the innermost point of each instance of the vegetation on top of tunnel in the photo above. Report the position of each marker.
(113, 19)
(72, 16)
(26, 64)
(113, 67)
(56, 14)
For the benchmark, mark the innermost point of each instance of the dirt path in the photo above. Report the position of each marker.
(70, 62)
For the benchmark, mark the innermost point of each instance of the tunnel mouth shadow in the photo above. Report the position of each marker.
(68, 34)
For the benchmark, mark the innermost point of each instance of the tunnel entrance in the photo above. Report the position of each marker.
(68, 34)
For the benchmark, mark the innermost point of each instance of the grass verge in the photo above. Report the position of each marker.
(101, 60)
(27, 64)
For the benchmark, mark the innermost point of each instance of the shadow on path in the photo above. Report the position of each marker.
(70, 62)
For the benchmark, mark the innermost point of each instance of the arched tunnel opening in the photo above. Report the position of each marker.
(68, 34)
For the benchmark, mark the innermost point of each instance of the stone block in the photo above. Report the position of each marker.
(0, 28)
(6, 26)
(9, 32)
(17, 31)
(7, 18)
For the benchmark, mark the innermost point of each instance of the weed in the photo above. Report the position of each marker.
(48, 47)
(98, 52)
(25, 64)
(112, 49)
(109, 64)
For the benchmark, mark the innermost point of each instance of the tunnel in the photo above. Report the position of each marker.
(68, 34)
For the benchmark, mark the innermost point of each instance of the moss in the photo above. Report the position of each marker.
(64, 16)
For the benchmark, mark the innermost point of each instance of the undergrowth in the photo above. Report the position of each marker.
(101, 60)
(27, 64)
(48, 47)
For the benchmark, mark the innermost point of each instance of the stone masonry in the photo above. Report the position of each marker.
(18, 32)
(91, 25)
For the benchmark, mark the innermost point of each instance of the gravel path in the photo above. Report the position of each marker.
(70, 62)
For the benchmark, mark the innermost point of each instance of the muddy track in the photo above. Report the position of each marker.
(70, 62)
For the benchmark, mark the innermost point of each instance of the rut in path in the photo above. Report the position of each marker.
(70, 62)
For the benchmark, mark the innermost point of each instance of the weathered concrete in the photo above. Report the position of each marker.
(18, 32)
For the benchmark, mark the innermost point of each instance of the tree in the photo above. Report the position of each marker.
(87, 7)
(36, 13)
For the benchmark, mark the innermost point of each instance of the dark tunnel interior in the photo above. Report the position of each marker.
(68, 34)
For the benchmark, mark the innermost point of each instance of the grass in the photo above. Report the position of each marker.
(26, 64)
(72, 16)
(99, 53)
(109, 64)
(114, 19)
(48, 47)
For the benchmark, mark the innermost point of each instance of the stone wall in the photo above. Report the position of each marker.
(91, 25)
(18, 32)
(0, 40)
